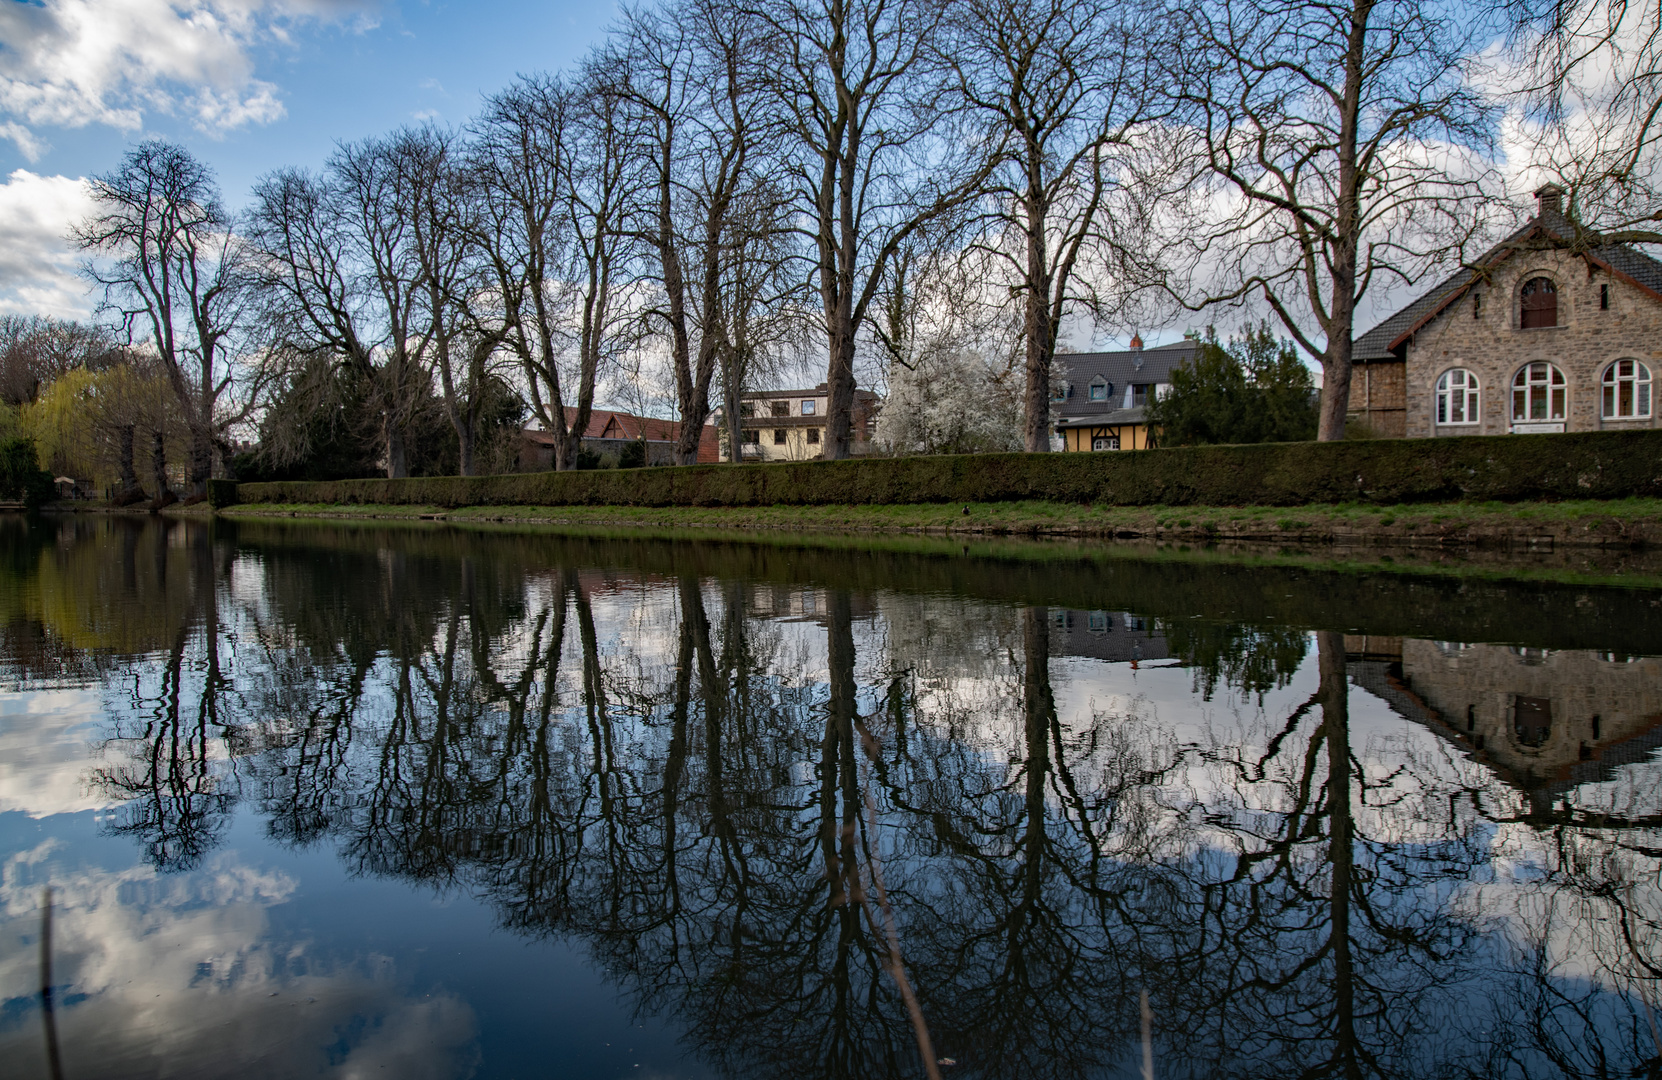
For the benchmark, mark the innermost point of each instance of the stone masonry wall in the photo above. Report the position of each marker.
(1494, 346)
(1475, 688)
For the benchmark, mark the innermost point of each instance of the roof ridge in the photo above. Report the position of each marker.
(1622, 260)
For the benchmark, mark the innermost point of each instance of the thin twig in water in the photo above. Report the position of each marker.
(1148, 1038)
(53, 1062)
(920, 1029)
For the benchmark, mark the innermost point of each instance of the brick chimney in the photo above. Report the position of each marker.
(1549, 198)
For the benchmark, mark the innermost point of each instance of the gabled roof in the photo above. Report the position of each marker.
(1118, 369)
(608, 424)
(818, 391)
(1624, 262)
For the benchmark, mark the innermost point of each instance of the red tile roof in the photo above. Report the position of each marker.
(607, 424)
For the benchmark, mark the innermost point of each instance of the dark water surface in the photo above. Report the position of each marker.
(359, 801)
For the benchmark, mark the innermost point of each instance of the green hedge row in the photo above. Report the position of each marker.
(1591, 465)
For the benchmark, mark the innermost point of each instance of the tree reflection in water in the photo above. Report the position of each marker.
(700, 774)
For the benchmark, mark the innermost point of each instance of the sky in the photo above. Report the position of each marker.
(247, 85)
(253, 85)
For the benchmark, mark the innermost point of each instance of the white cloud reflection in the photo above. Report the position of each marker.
(184, 976)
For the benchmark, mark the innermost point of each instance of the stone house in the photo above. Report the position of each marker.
(1544, 334)
(789, 425)
(1545, 719)
(1100, 400)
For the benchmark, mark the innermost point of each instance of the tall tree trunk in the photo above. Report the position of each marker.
(464, 445)
(201, 462)
(127, 466)
(398, 465)
(839, 379)
(730, 389)
(1335, 699)
(1040, 334)
(158, 468)
(1347, 228)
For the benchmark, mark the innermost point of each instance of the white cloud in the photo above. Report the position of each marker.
(186, 976)
(71, 63)
(37, 265)
(45, 751)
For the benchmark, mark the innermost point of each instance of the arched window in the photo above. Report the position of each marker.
(1540, 303)
(1626, 390)
(1457, 397)
(1539, 393)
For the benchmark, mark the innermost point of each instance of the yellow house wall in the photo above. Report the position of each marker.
(1132, 437)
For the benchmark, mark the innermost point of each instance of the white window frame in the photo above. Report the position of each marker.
(1109, 442)
(1640, 385)
(1459, 393)
(1551, 384)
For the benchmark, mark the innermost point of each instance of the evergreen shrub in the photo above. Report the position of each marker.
(21, 477)
(1507, 468)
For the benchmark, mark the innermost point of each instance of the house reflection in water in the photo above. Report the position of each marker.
(1116, 636)
(1547, 720)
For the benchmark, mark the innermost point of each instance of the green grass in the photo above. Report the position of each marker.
(794, 528)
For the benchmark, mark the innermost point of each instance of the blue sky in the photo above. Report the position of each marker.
(248, 85)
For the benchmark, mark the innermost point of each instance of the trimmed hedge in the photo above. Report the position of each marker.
(1508, 468)
(222, 493)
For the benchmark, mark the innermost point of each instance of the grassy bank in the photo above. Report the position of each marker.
(939, 556)
(1618, 523)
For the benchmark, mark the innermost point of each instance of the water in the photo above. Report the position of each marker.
(418, 802)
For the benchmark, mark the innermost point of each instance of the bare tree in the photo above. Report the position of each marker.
(462, 318)
(341, 276)
(35, 349)
(1331, 148)
(559, 178)
(1063, 85)
(1589, 103)
(164, 252)
(876, 155)
(521, 161)
(691, 74)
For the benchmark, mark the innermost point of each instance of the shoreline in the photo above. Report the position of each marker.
(1625, 524)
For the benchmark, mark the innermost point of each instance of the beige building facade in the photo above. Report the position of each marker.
(1547, 335)
(789, 425)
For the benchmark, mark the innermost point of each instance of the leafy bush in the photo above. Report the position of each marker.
(1254, 390)
(1585, 465)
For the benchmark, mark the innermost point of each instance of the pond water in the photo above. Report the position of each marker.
(357, 800)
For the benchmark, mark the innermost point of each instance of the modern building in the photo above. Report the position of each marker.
(1099, 401)
(789, 425)
(1551, 330)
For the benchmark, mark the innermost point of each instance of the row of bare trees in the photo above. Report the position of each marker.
(722, 182)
